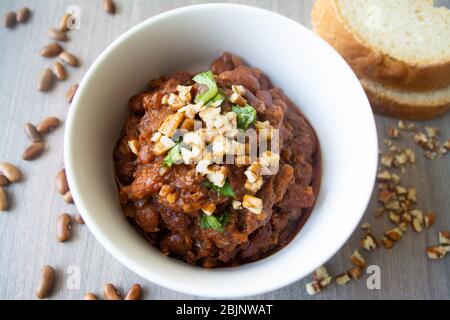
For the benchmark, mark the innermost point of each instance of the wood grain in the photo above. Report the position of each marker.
(27, 232)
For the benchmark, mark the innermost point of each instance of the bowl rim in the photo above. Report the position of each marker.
(122, 257)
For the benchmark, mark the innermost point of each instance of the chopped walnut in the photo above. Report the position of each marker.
(402, 125)
(237, 204)
(420, 138)
(412, 194)
(403, 226)
(432, 132)
(171, 124)
(321, 275)
(252, 203)
(406, 217)
(395, 178)
(393, 132)
(342, 279)
(444, 237)
(417, 224)
(400, 190)
(209, 209)
(188, 124)
(217, 175)
(165, 99)
(387, 243)
(385, 196)
(238, 89)
(411, 155)
(369, 243)
(417, 214)
(175, 102)
(313, 288)
(156, 137)
(393, 205)
(400, 159)
(447, 144)
(365, 226)
(437, 252)
(394, 217)
(394, 234)
(429, 219)
(134, 146)
(355, 273)
(235, 98)
(184, 93)
(164, 144)
(357, 259)
(172, 197)
(384, 176)
(387, 160)
(202, 167)
(165, 190)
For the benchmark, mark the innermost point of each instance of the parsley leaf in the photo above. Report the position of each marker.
(173, 156)
(226, 190)
(246, 116)
(206, 78)
(224, 218)
(215, 222)
(218, 98)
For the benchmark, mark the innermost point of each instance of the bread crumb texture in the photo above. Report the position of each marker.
(414, 31)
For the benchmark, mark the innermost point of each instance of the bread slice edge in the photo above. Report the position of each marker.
(370, 62)
(406, 104)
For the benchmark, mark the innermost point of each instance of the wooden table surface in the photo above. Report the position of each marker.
(27, 231)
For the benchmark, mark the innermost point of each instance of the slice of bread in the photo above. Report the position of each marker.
(406, 104)
(403, 44)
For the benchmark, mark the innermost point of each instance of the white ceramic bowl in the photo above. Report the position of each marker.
(312, 74)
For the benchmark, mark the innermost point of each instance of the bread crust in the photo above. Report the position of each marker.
(385, 105)
(369, 62)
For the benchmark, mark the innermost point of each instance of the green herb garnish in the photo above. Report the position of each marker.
(218, 97)
(224, 218)
(206, 78)
(226, 190)
(215, 222)
(173, 156)
(246, 116)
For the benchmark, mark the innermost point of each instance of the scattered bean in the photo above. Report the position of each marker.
(23, 15)
(69, 58)
(10, 20)
(60, 71)
(48, 124)
(51, 50)
(63, 227)
(135, 292)
(33, 151)
(3, 200)
(61, 182)
(3, 180)
(68, 197)
(90, 296)
(46, 282)
(71, 93)
(10, 172)
(57, 34)
(64, 22)
(109, 6)
(32, 133)
(78, 219)
(111, 293)
(45, 80)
